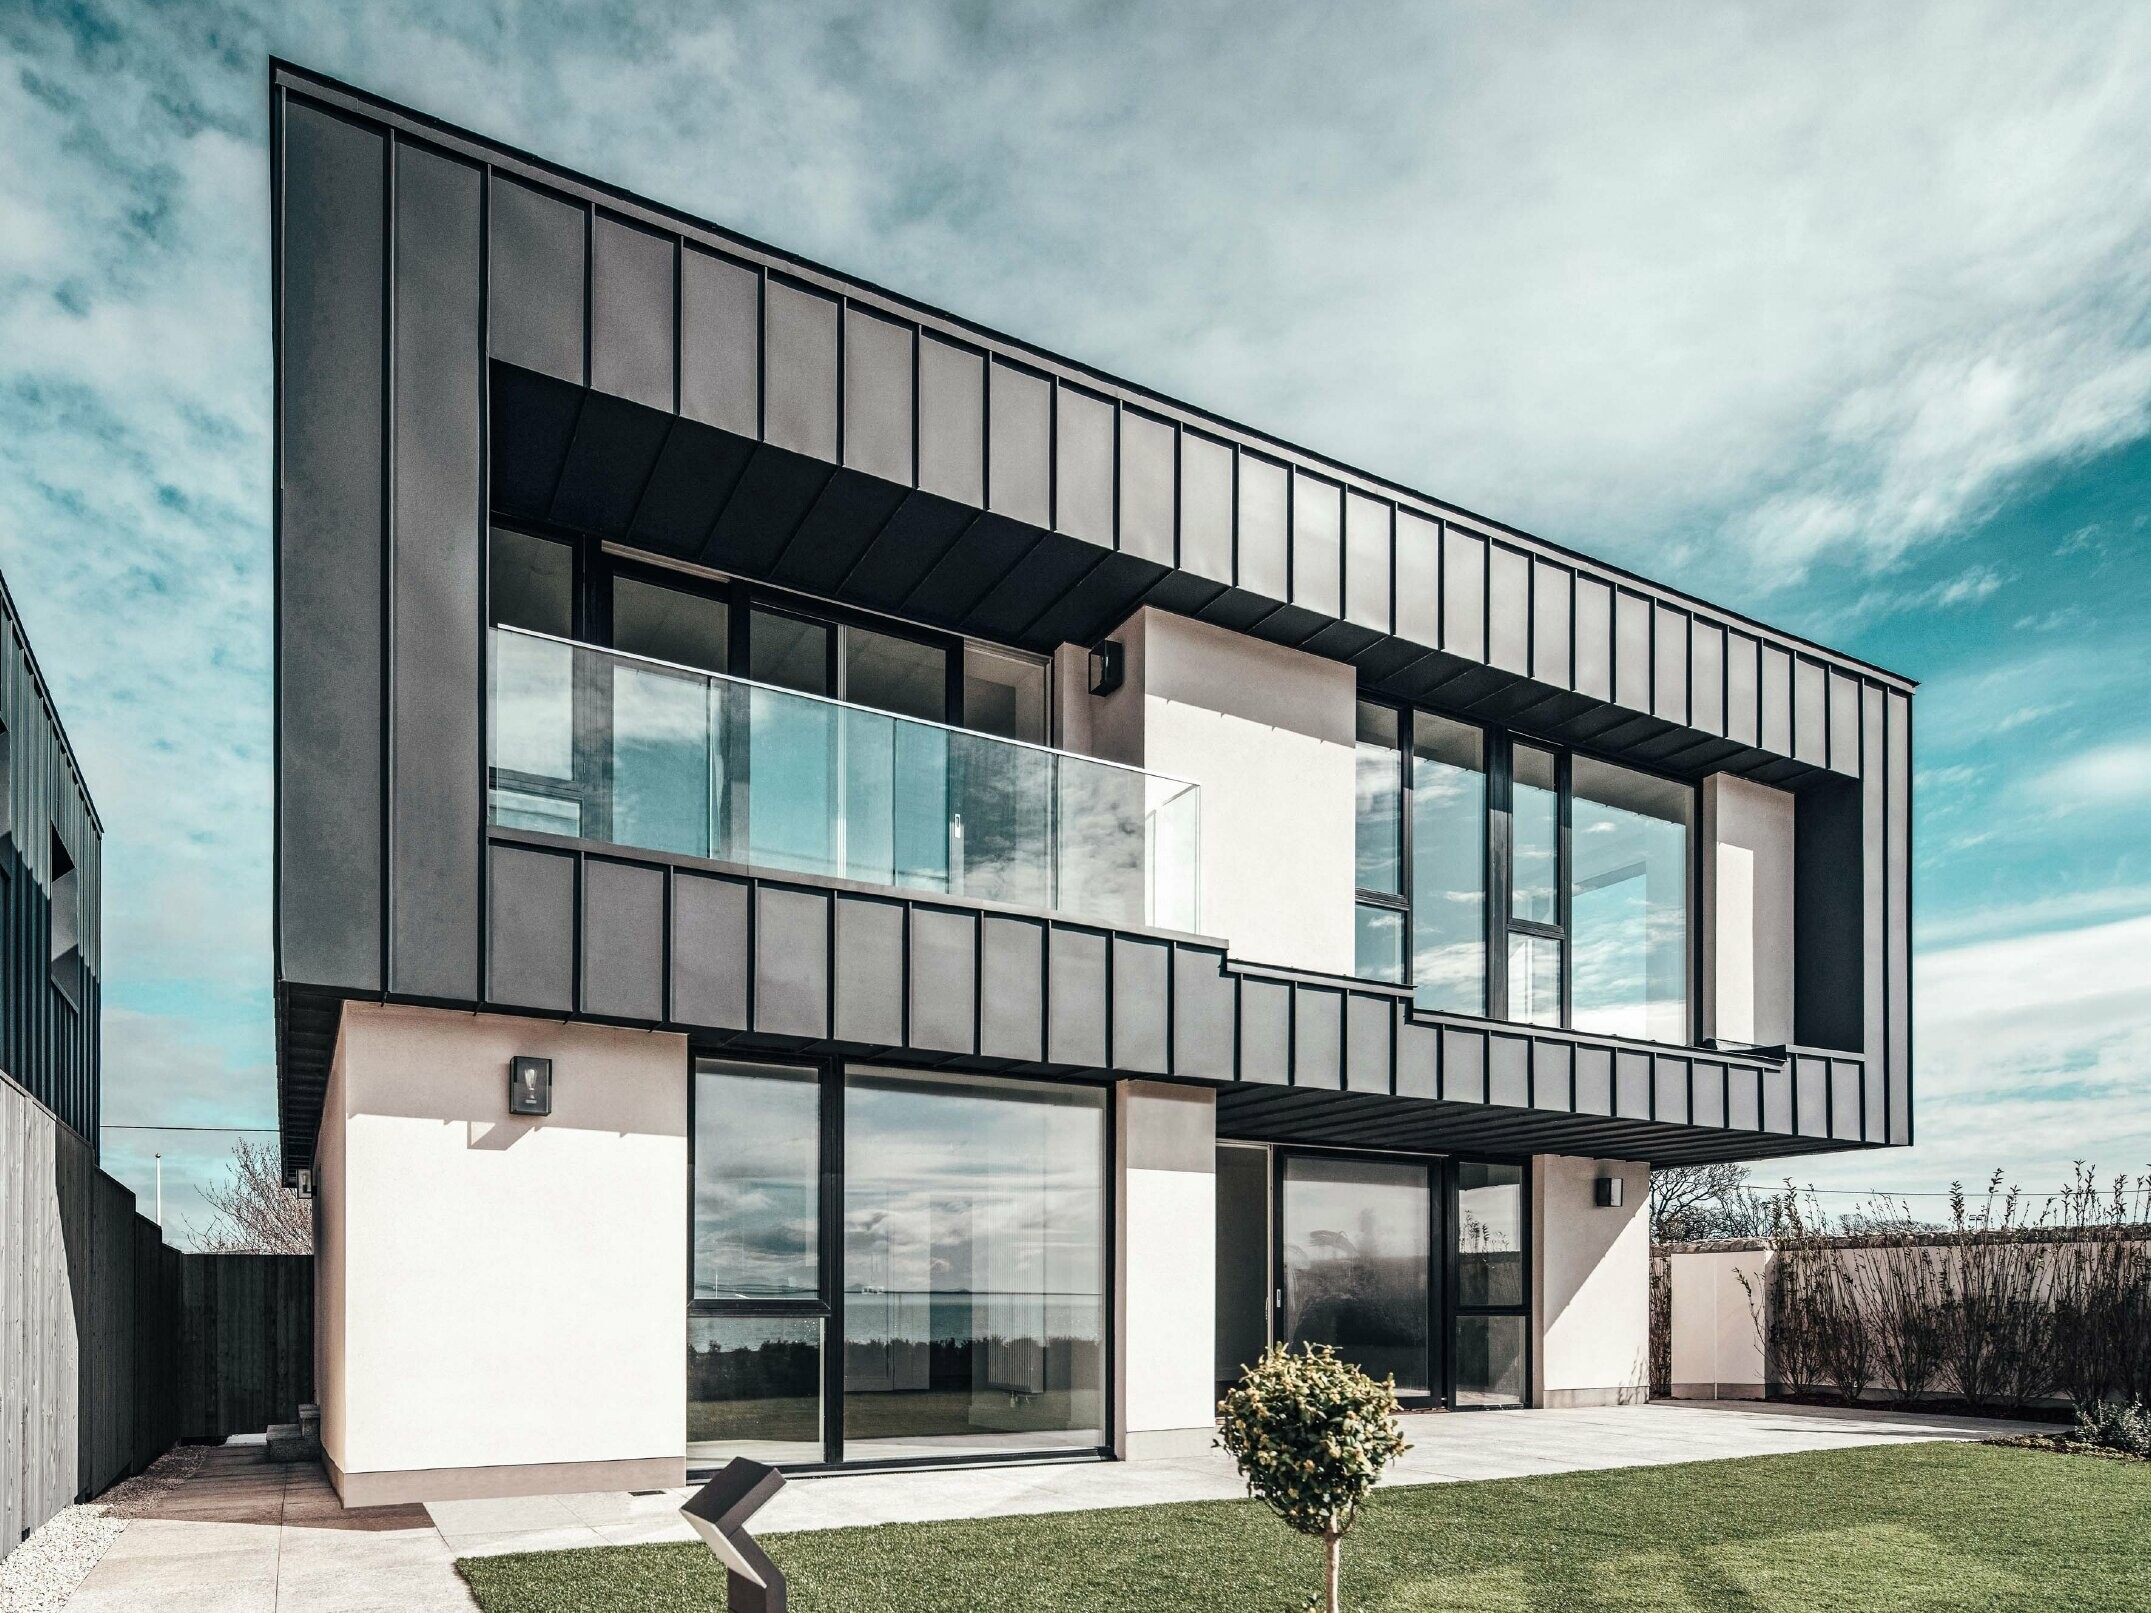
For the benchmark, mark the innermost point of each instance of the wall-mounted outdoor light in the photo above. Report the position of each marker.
(1609, 1192)
(1108, 667)
(719, 1512)
(530, 1085)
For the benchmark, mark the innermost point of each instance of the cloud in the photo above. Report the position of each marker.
(2112, 775)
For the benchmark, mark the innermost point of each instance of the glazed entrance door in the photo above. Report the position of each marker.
(1355, 1248)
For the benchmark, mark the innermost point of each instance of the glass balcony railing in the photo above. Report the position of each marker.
(612, 747)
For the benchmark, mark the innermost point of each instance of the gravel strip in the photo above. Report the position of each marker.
(39, 1575)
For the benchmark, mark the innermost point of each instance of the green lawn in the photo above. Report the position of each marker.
(1906, 1529)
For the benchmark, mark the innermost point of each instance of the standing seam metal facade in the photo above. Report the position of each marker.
(462, 330)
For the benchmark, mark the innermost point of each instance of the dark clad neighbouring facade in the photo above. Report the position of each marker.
(462, 329)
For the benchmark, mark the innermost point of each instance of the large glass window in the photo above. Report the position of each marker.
(671, 624)
(1629, 902)
(1356, 1235)
(1378, 848)
(975, 1227)
(757, 1209)
(1448, 884)
(754, 1389)
(1492, 1309)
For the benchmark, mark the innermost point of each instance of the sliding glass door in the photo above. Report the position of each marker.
(1356, 1246)
(890, 1266)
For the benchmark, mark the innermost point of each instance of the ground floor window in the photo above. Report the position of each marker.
(951, 1231)
(1414, 1268)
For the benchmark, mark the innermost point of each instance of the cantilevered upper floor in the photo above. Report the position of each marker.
(672, 632)
(51, 875)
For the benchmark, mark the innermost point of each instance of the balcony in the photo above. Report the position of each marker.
(592, 744)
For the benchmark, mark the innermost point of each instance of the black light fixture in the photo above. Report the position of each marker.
(530, 1085)
(1609, 1192)
(719, 1512)
(1108, 667)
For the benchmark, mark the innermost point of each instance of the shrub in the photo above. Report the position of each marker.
(2116, 1425)
(1311, 1433)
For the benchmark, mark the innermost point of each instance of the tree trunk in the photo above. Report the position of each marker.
(1332, 1544)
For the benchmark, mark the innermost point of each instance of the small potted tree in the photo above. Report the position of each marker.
(1311, 1434)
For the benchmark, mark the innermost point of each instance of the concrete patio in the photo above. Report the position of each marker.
(247, 1534)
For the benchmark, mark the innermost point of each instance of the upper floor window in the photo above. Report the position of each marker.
(1571, 872)
(65, 893)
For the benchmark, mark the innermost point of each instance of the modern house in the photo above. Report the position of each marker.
(853, 891)
(51, 862)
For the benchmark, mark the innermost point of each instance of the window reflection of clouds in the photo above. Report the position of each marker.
(757, 1176)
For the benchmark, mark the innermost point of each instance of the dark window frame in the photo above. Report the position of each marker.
(1500, 741)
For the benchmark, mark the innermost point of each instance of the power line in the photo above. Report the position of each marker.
(265, 1131)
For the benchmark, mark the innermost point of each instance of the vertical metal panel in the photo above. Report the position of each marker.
(1205, 507)
(1874, 906)
(1553, 1083)
(799, 407)
(869, 991)
(530, 929)
(1632, 1085)
(1778, 1099)
(1847, 1119)
(1743, 1098)
(877, 396)
(1083, 466)
(1594, 1081)
(1549, 623)
(436, 769)
(1669, 677)
(944, 979)
(1204, 1011)
(1463, 1065)
(1142, 1004)
(720, 342)
(1146, 487)
(1777, 721)
(1317, 1037)
(1418, 579)
(1019, 445)
(1463, 593)
(1508, 1071)
(1418, 1059)
(1743, 688)
(791, 962)
(1594, 638)
(1368, 1058)
(329, 610)
(1011, 989)
(535, 285)
(1707, 1086)
(1811, 1096)
(1366, 562)
(1897, 944)
(1264, 546)
(711, 946)
(1075, 997)
(1265, 1031)
(1844, 723)
(1811, 714)
(1632, 651)
(1707, 676)
(1317, 544)
(1508, 609)
(952, 421)
(1669, 1090)
(631, 302)
(623, 939)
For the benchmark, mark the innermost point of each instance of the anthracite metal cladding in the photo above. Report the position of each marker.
(49, 1010)
(462, 329)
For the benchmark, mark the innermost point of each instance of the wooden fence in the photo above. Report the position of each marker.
(113, 1344)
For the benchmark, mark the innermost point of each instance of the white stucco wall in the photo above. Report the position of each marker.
(1592, 1271)
(1747, 911)
(1268, 734)
(1717, 1352)
(511, 1287)
(1166, 1269)
(329, 1260)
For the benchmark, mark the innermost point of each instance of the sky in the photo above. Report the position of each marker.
(1839, 315)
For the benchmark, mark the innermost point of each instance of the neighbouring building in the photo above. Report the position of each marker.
(51, 876)
(853, 891)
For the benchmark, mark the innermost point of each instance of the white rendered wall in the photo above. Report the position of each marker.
(1592, 1280)
(1717, 1352)
(1166, 1268)
(1747, 911)
(1268, 733)
(511, 1288)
